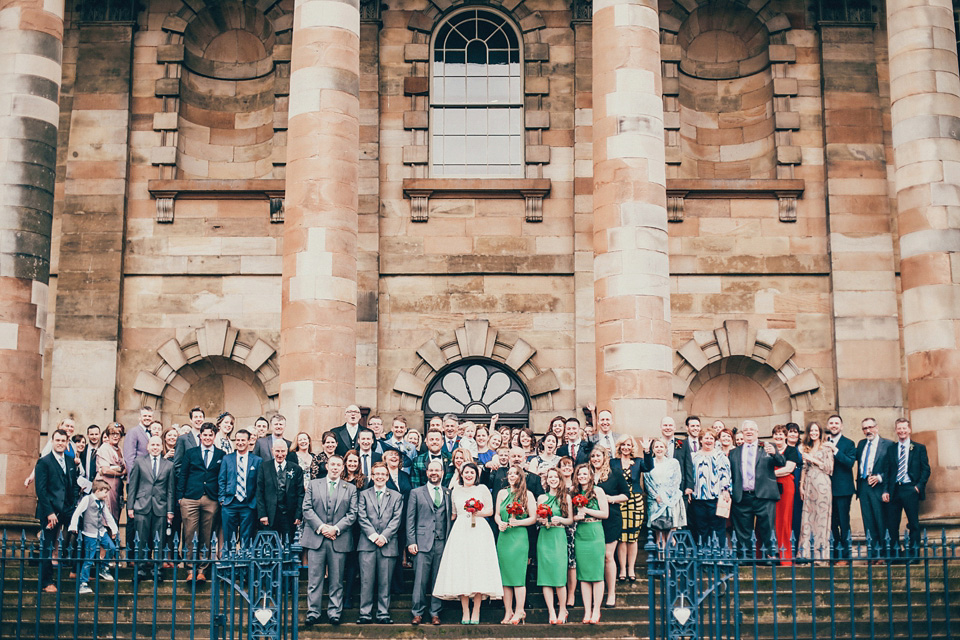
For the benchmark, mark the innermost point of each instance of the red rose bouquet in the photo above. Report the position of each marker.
(545, 512)
(472, 506)
(515, 509)
(579, 501)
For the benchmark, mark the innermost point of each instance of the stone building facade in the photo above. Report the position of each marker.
(729, 208)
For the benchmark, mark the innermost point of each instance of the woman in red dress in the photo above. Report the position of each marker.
(784, 518)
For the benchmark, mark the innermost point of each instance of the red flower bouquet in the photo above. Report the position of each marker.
(472, 506)
(579, 501)
(515, 509)
(545, 512)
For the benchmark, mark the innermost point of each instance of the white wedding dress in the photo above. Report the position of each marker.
(469, 564)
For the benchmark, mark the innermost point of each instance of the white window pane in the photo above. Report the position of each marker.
(500, 90)
(476, 90)
(454, 90)
(499, 150)
(453, 120)
(477, 149)
(477, 122)
(453, 151)
(499, 120)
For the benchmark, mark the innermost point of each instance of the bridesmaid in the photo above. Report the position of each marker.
(608, 475)
(552, 545)
(566, 474)
(513, 543)
(588, 542)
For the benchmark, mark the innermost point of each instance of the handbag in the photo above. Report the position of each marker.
(663, 523)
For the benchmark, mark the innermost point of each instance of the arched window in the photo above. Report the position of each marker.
(475, 389)
(476, 97)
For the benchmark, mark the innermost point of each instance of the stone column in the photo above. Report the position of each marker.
(925, 111)
(318, 339)
(631, 269)
(31, 33)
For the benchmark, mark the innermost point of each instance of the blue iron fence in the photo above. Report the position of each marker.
(854, 590)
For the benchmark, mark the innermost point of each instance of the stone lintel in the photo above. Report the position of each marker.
(432, 354)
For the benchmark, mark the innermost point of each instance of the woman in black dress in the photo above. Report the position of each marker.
(608, 475)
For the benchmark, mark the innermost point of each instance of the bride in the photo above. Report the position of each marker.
(469, 569)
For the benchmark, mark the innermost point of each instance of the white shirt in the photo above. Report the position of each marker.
(874, 444)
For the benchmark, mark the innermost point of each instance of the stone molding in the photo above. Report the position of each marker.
(787, 192)
(420, 190)
(759, 354)
(171, 376)
(779, 56)
(476, 339)
(167, 192)
(416, 86)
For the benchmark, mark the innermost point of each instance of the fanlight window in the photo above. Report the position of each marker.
(476, 97)
(477, 389)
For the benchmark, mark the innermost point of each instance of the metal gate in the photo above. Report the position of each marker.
(255, 591)
(692, 590)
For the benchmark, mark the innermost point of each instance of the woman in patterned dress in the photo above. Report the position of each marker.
(712, 480)
(664, 494)
(816, 491)
(633, 509)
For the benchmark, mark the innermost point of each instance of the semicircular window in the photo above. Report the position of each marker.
(475, 390)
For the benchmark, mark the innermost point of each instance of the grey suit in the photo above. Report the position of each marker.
(384, 518)
(325, 555)
(151, 497)
(427, 527)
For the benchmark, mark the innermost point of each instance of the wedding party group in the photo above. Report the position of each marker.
(472, 511)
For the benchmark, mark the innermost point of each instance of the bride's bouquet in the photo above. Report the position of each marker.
(472, 506)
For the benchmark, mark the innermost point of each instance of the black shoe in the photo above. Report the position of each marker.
(364, 620)
(384, 620)
(312, 620)
(334, 621)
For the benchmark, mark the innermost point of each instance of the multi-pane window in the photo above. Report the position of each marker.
(476, 97)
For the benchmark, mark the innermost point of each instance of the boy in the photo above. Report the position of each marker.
(97, 522)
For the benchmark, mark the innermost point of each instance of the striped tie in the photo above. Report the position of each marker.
(241, 480)
(902, 467)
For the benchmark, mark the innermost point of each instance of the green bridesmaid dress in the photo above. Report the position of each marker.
(513, 550)
(589, 548)
(552, 551)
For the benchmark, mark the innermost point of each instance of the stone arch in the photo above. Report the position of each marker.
(536, 56)
(214, 348)
(224, 107)
(475, 339)
(758, 140)
(737, 350)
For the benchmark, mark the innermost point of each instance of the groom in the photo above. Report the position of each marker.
(428, 524)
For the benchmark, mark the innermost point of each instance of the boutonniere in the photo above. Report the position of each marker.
(911, 446)
(678, 444)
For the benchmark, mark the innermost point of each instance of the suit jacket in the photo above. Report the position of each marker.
(447, 450)
(185, 442)
(374, 457)
(383, 517)
(339, 510)
(765, 481)
(88, 464)
(841, 481)
(263, 448)
(918, 466)
(595, 440)
(423, 518)
(269, 496)
(56, 490)
(883, 465)
(135, 447)
(195, 480)
(583, 452)
(344, 441)
(227, 480)
(496, 480)
(418, 472)
(403, 484)
(148, 494)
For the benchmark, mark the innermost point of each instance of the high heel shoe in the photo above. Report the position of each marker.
(515, 620)
(563, 619)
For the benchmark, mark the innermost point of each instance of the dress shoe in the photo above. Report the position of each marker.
(312, 620)
(190, 576)
(416, 620)
(435, 621)
(364, 620)
(201, 577)
(335, 621)
(384, 620)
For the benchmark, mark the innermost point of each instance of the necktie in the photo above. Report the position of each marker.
(436, 497)
(154, 466)
(902, 465)
(366, 464)
(693, 445)
(241, 479)
(379, 495)
(573, 452)
(748, 467)
(99, 517)
(865, 464)
(63, 466)
(280, 482)
(206, 457)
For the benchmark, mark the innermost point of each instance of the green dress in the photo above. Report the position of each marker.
(513, 550)
(589, 548)
(552, 551)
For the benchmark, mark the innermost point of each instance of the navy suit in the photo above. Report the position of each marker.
(239, 518)
(841, 483)
(56, 495)
(198, 488)
(583, 452)
(875, 512)
(907, 495)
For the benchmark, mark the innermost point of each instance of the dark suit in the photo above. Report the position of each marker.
(497, 480)
(239, 517)
(280, 497)
(842, 488)
(583, 452)
(874, 510)
(344, 441)
(378, 517)
(197, 486)
(56, 495)
(185, 442)
(374, 458)
(151, 499)
(908, 493)
(447, 449)
(263, 448)
(88, 464)
(427, 527)
(754, 511)
(325, 556)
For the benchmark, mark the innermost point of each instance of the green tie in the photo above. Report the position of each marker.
(379, 495)
(436, 496)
